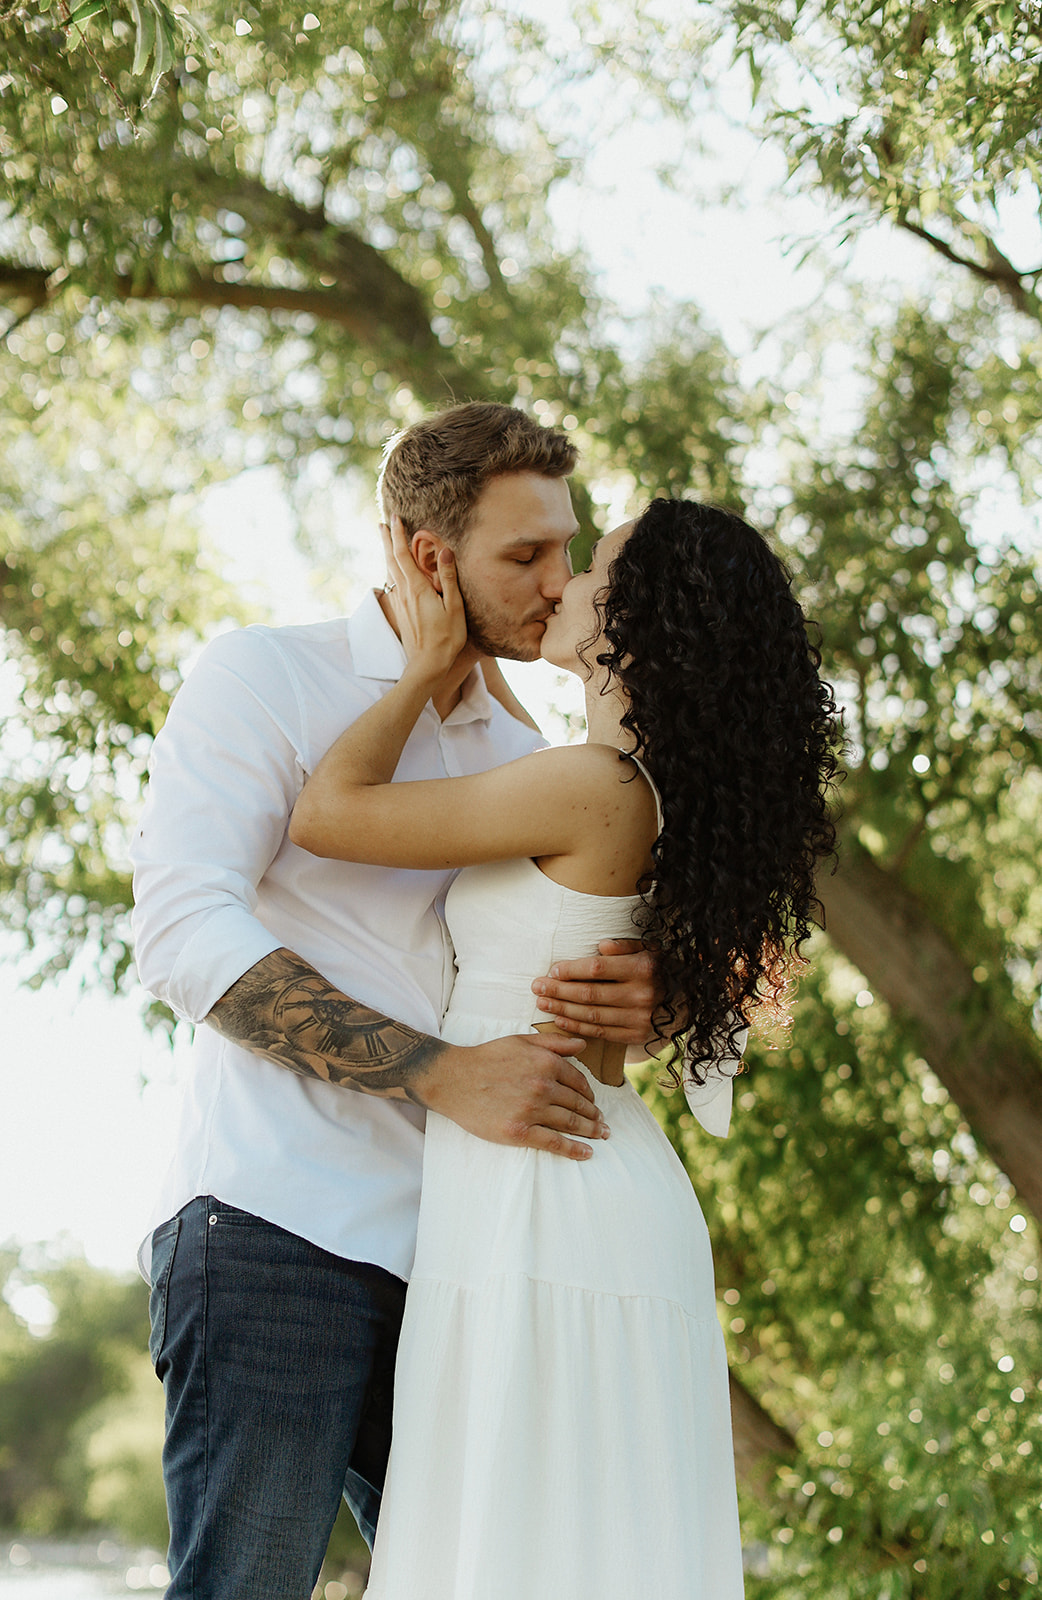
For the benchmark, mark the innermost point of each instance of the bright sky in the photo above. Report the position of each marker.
(89, 1100)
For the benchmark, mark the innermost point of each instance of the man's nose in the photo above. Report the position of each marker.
(556, 575)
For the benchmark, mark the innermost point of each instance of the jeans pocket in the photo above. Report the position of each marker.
(164, 1242)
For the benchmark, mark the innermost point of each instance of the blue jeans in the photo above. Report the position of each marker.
(277, 1359)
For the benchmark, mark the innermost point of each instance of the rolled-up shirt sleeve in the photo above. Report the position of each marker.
(711, 1101)
(224, 776)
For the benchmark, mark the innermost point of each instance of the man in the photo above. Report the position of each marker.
(287, 1223)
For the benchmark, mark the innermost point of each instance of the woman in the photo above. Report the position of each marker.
(561, 1425)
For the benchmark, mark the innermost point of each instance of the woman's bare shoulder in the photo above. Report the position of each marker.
(588, 765)
(597, 776)
(618, 820)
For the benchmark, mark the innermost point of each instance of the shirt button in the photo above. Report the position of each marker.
(212, 1219)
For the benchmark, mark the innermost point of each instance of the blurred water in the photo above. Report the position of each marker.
(33, 1569)
(61, 1584)
(54, 1569)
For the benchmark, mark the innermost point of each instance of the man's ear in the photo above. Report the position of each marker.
(425, 547)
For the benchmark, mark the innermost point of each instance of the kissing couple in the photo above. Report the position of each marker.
(393, 910)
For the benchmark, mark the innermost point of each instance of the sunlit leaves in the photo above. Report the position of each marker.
(923, 610)
(48, 1384)
(299, 246)
(102, 593)
(877, 1298)
(925, 114)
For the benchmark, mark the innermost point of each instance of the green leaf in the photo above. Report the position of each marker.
(83, 13)
(165, 51)
(755, 77)
(145, 24)
(195, 31)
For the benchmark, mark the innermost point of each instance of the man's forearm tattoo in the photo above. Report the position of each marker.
(283, 1009)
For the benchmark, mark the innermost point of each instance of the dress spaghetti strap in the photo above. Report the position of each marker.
(637, 762)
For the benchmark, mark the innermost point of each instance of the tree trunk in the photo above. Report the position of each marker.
(759, 1443)
(991, 1068)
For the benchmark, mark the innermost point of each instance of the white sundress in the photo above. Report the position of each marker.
(562, 1424)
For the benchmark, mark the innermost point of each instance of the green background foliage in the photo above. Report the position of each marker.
(304, 231)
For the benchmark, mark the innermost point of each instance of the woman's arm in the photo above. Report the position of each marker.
(542, 805)
(433, 628)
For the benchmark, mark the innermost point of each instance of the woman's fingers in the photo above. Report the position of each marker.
(451, 597)
(399, 542)
(404, 568)
(447, 569)
(428, 609)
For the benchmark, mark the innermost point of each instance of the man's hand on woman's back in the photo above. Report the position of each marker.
(608, 996)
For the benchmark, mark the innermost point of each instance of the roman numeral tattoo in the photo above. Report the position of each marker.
(286, 1011)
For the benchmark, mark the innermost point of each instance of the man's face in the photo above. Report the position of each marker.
(513, 562)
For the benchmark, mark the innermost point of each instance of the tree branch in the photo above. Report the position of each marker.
(428, 370)
(365, 316)
(759, 1443)
(1000, 271)
(34, 284)
(99, 69)
(15, 324)
(19, 283)
(306, 235)
(329, 305)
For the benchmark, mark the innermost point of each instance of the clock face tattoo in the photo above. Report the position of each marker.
(284, 1010)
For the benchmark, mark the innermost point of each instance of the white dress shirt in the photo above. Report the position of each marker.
(218, 886)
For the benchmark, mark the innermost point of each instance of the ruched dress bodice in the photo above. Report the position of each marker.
(509, 923)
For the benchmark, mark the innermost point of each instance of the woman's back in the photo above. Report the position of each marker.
(509, 923)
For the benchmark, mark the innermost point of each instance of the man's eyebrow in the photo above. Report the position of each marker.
(538, 539)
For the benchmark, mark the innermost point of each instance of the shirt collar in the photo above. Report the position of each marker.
(475, 703)
(377, 652)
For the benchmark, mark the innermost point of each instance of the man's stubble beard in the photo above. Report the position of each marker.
(490, 634)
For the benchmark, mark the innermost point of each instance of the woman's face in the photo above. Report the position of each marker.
(575, 619)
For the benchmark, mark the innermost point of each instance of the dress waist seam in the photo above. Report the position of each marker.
(559, 1283)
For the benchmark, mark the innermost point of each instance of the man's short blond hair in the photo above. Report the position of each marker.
(434, 472)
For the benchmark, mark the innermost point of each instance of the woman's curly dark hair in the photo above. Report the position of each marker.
(739, 732)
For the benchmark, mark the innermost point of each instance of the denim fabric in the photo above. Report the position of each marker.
(277, 1360)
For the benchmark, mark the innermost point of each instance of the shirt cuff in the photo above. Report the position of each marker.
(711, 1101)
(711, 1104)
(228, 944)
